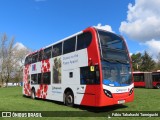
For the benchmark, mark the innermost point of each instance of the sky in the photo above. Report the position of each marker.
(38, 23)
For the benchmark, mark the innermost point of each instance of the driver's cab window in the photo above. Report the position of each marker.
(89, 75)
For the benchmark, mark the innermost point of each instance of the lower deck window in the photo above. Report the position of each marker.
(89, 75)
(34, 79)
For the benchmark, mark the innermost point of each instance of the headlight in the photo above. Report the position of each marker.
(131, 91)
(108, 93)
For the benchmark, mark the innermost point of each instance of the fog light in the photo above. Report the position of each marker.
(108, 93)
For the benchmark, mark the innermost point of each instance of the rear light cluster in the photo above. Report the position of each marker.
(108, 93)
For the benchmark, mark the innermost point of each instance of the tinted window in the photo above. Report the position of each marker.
(46, 78)
(40, 55)
(138, 77)
(84, 40)
(34, 79)
(57, 50)
(34, 57)
(47, 53)
(89, 75)
(29, 61)
(39, 78)
(26, 60)
(156, 77)
(69, 45)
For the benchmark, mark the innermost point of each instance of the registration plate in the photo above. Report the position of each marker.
(121, 101)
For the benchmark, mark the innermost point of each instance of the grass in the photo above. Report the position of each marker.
(11, 99)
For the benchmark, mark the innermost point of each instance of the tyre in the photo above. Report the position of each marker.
(69, 99)
(158, 86)
(33, 94)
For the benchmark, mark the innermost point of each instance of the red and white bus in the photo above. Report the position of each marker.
(91, 67)
(147, 79)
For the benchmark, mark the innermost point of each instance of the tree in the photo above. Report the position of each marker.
(148, 63)
(11, 60)
(2, 57)
(136, 61)
(19, 55)
(6, 58)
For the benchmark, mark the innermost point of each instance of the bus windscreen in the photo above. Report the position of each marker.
(115, 60)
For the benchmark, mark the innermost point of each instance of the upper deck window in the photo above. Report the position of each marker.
(69, 45)
(57, 50)
(47, 53)
(84, 40)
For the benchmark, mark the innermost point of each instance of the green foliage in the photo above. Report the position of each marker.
(147, 62)
(136, 60)
(143, 62)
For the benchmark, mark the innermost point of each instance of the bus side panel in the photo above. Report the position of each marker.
(71, 64)
(91, 96)
(139, 84)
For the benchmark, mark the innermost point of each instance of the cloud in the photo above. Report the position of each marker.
(153, 46)
(143, 24)
(143, 20)
(105, 27)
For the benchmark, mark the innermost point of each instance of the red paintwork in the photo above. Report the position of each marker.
(94, 95)
(155, 83)
(45, 66)
(139, 84)
(27, 90)
(42, 91)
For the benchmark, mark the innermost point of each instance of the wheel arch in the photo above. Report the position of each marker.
(68, 89)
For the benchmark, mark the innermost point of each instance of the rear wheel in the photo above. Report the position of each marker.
(33, 94)
(69, 99)
(158, 86)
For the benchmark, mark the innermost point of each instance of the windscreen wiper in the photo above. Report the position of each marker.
(122, 61)
(109, 60)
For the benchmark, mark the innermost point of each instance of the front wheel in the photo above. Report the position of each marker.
(69, 99)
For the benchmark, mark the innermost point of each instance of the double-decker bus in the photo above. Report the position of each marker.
(91, 67)
(147, 79)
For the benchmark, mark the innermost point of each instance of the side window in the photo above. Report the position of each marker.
(89, 75)
(47, 53)
(138, 77)
(156, 77)
(34, 57)
(57, 50)
(26, 61)
(46, 78)
(39, 78)
(84, 40)
(40, 55)
(34, 79)
(69, 45)
(29, 59)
